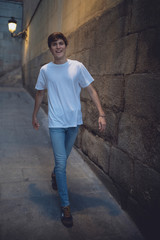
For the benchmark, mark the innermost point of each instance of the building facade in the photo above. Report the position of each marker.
(10, 48)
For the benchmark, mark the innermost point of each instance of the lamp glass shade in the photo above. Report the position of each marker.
(12, 26)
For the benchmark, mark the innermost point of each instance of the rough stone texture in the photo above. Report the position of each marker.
(130, 138)
(96, 149)
(121, 169)
(146, 209)
(111, 91)
(148, 222)
(90, 118)
(146, 102)
(141, 139)
(148, 56)
(145, 15)
(146, 187)
(139, 132)
(118, 42)
(118, 59)
(77, 13)
(13, 78)
(115, 23)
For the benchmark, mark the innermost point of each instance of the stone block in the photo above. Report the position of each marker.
(113, 24)
(140, 129)
(90, 119)
(13, 78)
(96, 149)
(117, 57)
(140, 139)
(77, 13)
(71, 44)
(148, 51)
(146, 188)
(145, 14)
(78, 141)
(142, 98)
(85, 95)
(83, 57)
(111, 91)
(85, 37)
(130, 137)
(90, 114)
(121, 169)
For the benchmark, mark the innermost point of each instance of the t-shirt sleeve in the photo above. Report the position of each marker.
(41, 81)
(85, 77)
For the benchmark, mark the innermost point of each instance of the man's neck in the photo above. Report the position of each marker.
(60, 61)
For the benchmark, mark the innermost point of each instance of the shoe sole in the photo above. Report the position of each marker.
(68, 225)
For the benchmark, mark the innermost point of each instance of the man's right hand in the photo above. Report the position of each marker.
(35, 123)
(38, 100)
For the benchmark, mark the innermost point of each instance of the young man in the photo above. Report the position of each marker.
(63, 78)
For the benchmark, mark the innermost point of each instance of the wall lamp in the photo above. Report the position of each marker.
(12, 25)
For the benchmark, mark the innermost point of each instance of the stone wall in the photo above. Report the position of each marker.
(10, 48)
(12, 78)
(118, 42)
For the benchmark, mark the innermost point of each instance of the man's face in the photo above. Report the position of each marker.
(58, 49)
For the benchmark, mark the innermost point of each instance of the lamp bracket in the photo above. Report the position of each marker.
(22, 34)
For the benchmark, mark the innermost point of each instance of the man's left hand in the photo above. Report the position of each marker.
(102, 123)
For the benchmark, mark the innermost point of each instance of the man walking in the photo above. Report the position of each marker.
(63, 78)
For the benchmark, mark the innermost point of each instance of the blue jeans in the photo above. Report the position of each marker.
(62, 140)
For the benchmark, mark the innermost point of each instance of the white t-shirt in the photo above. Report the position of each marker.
(64, 83)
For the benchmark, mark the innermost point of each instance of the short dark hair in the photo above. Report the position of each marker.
(55, 36)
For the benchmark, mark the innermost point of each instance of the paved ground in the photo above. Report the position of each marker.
(29, 208)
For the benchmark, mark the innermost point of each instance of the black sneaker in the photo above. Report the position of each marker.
(54, 183)
(66, 216)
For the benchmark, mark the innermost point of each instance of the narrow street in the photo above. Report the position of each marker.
(29, 208)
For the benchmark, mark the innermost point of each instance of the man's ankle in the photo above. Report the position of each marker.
(66, 216)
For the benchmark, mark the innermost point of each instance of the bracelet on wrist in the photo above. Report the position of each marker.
(102, 116)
